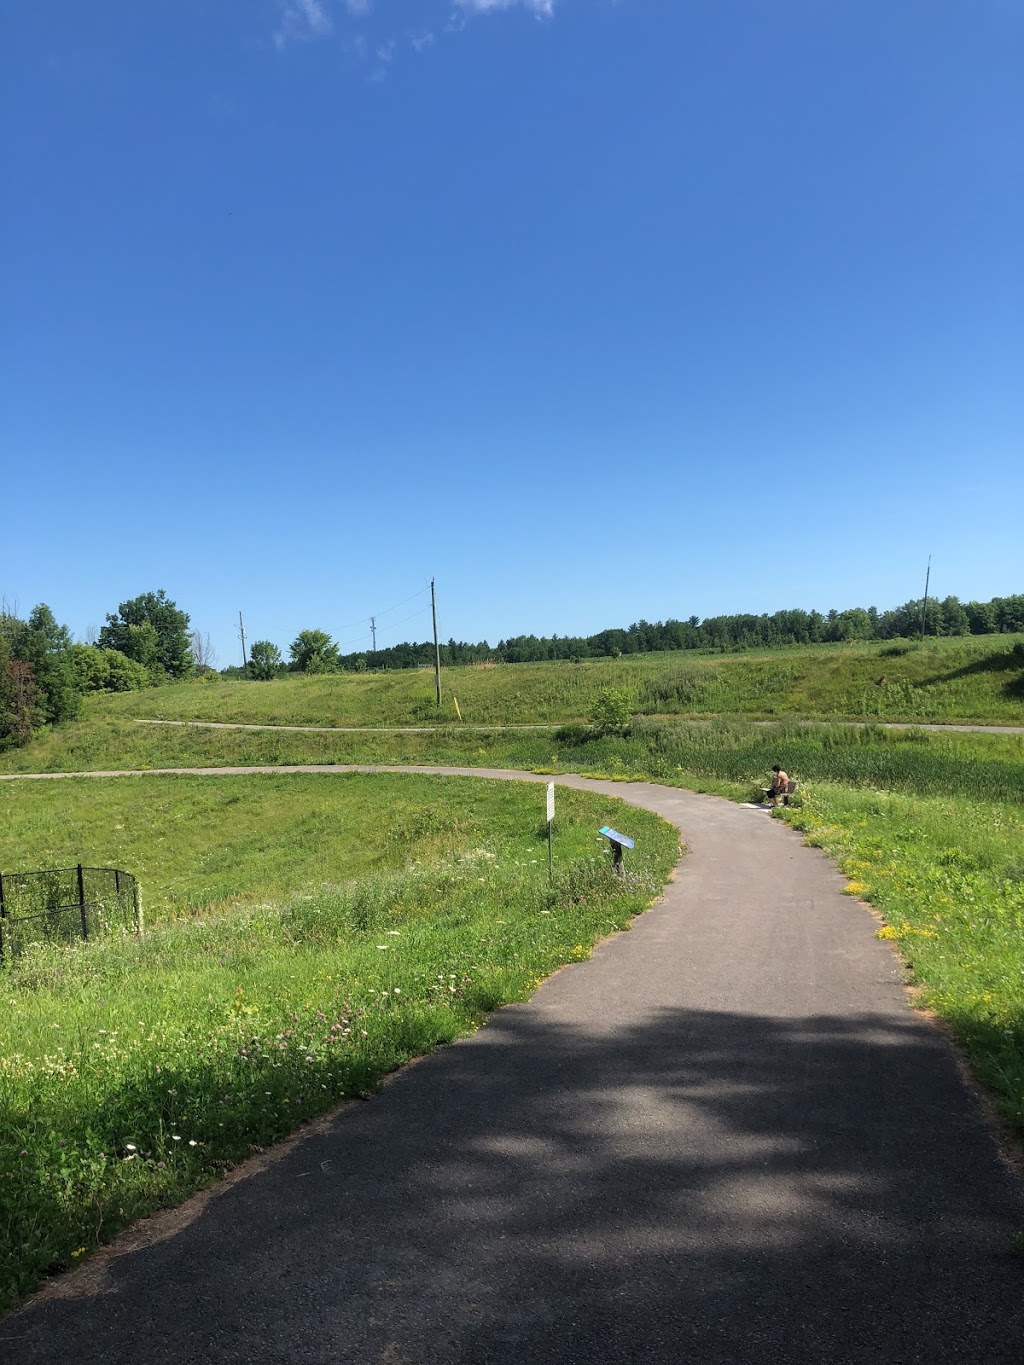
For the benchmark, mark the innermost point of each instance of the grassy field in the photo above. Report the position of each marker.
(905, 812)
(287, 911)
(132, 1072)
(197, 842)
(693, 752)
(978, 679)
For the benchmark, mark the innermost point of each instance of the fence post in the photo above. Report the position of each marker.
(81, 903)
(3, 916)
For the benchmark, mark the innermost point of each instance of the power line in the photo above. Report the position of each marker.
(359, 639)
(402, 604)
(371, 634)
(351, 625)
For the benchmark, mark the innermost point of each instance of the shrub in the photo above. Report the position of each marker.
(125, 675)
(613, 710)
(573, 735)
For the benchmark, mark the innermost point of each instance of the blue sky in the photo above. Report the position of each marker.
(581, 307)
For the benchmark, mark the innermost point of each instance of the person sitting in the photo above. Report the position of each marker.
(779, 787)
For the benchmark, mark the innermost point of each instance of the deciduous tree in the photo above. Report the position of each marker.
(171, 654)
(264, 660)
(313, 651)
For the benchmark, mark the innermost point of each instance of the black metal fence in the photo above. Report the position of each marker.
(64, 904)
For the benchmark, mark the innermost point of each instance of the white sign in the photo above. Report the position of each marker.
(551, 801)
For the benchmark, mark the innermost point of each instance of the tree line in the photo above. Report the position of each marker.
(950, 616)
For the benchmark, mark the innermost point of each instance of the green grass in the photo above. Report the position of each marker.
(303, 882)
(948, 878)
(979, 678)
(132, 1072)
(735, 752)
(195, 841)
(738, 752)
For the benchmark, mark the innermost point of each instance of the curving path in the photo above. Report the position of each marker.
(724, 1139)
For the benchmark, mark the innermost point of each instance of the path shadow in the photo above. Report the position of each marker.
(696, 1187)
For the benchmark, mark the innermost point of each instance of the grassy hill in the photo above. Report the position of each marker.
(974, 678)
(290, 913)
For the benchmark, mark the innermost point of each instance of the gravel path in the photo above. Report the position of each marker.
(726, 1138)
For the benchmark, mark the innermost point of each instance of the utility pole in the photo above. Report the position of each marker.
(924, 604)
(373, 632)
(437, 650)
(245, 661)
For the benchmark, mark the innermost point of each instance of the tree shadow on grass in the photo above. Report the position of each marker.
(1000, 661)
(696, 1187)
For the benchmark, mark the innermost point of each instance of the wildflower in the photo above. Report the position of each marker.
(130, 1147)
(192, 1142)
(175, 1137)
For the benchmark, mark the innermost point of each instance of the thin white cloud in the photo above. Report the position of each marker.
(543, 9)
(302, 20)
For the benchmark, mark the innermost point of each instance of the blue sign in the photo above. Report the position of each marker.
(616, 837)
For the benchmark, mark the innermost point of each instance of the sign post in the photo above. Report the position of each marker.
(618, 842)
(551, 821)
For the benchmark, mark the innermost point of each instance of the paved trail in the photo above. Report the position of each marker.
(725, 1139)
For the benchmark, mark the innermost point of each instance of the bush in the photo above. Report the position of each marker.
(125, 674)
(613, 710)
(573, 735)
(91, 667)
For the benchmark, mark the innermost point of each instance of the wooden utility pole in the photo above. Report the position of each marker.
(924, 604)
(245, 661)
(373, 632)
(437, 648)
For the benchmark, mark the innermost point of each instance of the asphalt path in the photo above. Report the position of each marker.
(725, 1138)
